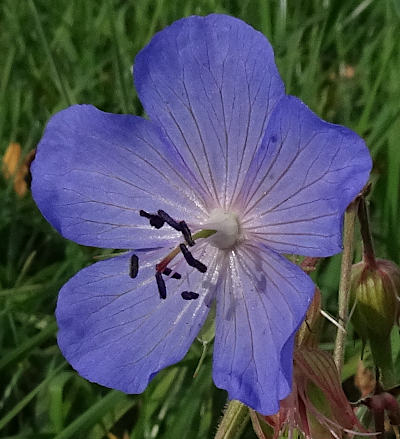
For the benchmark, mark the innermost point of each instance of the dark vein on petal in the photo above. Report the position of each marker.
(258, 145)
(291, 245)
(191, 152)
(297, 220)
(201, 139)
(170, 113)
(281, 176)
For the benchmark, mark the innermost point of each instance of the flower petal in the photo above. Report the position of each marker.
(263, 302)
(116, 331)
(302, 179)
(211, 83)
(94, 171)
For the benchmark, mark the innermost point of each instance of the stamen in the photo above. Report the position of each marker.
(189, 295)
(162, 289)
(144, 213)
(180, 226)
(162, 266)
(191, 260)
(187, 234)
(167, 271)
(170, 221)
(162, 217)
(155, 220)
(134, 266)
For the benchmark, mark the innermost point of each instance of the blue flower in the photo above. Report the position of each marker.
(227, 162)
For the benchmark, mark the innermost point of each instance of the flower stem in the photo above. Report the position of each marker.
(381, 349)
(345, 281)
(368, 248)
(234, 420)
(379, 419)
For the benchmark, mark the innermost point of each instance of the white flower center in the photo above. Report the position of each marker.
(227, 228)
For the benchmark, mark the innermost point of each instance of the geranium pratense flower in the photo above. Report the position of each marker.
(228, 162)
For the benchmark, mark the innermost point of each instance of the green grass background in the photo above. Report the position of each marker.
(57, 52)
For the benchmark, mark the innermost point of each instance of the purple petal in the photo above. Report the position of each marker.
(263, 302)
(94, 171)
(211, 83)
(116, 331)
(302, 179)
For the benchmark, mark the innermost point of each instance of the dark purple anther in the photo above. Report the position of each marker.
(167, 271)
(170, 221)
(155, 220)
(191, 260)
(162, 217)
(189, 295)
(186, 233)
(134, 266)
(162, 289)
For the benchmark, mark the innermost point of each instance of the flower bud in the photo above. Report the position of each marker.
(375, 290)
(375, 293)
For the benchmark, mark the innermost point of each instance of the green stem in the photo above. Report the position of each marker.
(235, 418)
(345, 281)
(368, 247)
(381, 350)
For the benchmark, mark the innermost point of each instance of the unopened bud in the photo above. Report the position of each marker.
(375, 296)
(375, 293)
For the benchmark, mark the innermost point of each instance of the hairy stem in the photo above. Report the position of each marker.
(234, 420)
(345, 280)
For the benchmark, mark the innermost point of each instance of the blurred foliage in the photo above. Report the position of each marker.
(341, 57)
